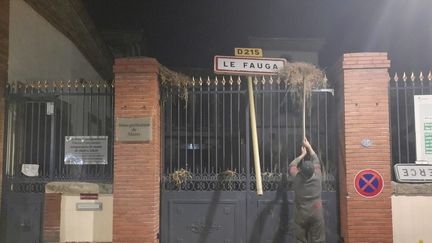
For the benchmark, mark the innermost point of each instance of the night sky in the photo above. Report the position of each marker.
(188, 33)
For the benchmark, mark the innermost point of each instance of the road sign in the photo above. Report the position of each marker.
(248, 52)
(368, 183)
(248, 65)
(413, 172)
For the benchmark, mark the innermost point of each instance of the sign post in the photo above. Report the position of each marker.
(250, 66)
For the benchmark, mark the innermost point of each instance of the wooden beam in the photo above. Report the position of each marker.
(71, 18)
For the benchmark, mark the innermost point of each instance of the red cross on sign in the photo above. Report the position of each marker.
(368, 183)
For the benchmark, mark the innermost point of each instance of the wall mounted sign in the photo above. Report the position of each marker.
(134, 129)
(248, 65)
(413, 172)
(86, 150)
(423, 128)
(89, 196)
(84, 206)
(368, 183)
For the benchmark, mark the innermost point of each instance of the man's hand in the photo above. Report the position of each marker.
(307, 145)
(303, 152)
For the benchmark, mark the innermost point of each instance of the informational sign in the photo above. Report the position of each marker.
(89, 196)
(423, 128)
(248, 52)
(248, 65)
(92, 206)
(134, 129)
(368, 183)
(413, 172)
(86, 150)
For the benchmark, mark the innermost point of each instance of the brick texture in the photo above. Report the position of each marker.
(51, 217)
(137, 165)
(4, 56)
(362, 103)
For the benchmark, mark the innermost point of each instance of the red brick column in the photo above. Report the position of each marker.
(137, 164)
(4, 56)
(363, 114)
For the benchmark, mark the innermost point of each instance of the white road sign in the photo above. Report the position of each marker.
(248, 65)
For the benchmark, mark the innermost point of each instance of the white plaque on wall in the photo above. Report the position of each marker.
(134, 129)
(423, 128)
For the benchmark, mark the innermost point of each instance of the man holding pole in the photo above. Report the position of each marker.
(309, 216)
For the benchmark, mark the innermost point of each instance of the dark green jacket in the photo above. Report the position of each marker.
(307, 191)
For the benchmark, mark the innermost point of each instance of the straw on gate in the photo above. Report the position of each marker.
(302, 76)
(180, 176)
(169, 78)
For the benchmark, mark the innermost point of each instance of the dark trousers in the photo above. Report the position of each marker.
(310, 225)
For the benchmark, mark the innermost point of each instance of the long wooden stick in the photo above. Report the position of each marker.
(254, 139)
(304, 110)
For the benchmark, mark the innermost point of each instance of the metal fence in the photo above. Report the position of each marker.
(402, 88)
(207, 135)
(40, 115)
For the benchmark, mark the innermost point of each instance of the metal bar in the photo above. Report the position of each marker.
(186, 136)
(238, 128)
(208, 126)
(216, 127)
(31, 135)
(279, 131)
(231, 129)
(171, 131)
(326, 128)
(178, 132)
(38, 132)
(398, 124)
(254, 139)
(223, 127)
(406, 123)
(262, 128)
(201, 129)
(193, 128)
(45, 167)
(271, 127)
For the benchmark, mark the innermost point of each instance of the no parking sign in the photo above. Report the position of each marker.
(368, 183)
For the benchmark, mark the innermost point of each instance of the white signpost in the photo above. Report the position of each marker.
(248, 65)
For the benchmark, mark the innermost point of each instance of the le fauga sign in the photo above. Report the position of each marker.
(134, 129)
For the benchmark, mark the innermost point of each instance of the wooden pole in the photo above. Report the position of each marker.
(254, 139)
(304, 111)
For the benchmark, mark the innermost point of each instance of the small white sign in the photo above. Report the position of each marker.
(248, 65)
(423, 128)
(413, 173)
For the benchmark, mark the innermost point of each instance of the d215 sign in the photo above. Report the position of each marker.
(86, 150)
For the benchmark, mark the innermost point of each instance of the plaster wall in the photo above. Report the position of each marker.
(38, 51)
(411, 218)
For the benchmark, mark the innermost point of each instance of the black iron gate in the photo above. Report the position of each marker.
(208, 183)
(38, 118)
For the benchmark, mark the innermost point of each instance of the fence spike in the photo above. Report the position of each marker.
(404, 77)
(231, 81)
(113, 83)
(396, 77)
(430, 76)
(263, 81)
(421, 77)
(200, 81)
(271, 80)
(208, 81)
(412, 76)
(193, 81)
(216, 81)
(255, 81)
(278, 80)
(325, 78)
(223, 80)
(238, 80)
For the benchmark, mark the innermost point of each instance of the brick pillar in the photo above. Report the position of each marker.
(4, 56)
(137, 164)
(363, 113)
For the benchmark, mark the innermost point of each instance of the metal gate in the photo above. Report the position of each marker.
(208, 183)
(38, 118)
